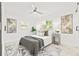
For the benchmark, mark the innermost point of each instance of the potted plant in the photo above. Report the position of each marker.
(33, 30)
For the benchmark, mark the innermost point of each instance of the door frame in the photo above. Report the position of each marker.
(0, 32)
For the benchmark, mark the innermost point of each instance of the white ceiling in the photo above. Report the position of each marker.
(46, 7)
(51, 10)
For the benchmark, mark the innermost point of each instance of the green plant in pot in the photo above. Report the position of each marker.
(33, 30)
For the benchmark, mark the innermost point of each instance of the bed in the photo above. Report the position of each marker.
(34, 43)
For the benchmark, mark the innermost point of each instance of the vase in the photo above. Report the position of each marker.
(46, 33)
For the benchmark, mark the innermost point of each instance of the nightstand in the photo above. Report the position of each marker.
(56, 39)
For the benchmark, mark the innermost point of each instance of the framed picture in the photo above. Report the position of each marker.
(67, 24)
(11, 25)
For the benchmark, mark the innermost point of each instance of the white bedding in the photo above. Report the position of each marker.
(47, 39)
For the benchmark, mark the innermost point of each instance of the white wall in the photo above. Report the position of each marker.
(72, 39)
(21, 12)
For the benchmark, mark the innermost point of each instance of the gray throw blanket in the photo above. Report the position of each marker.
(33, 44)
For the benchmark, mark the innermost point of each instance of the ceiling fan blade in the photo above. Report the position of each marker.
(33, 6)
(39, 12)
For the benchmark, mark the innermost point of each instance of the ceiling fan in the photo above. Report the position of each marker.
(35, 10)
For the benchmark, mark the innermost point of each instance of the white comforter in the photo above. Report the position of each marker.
(47, 39)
